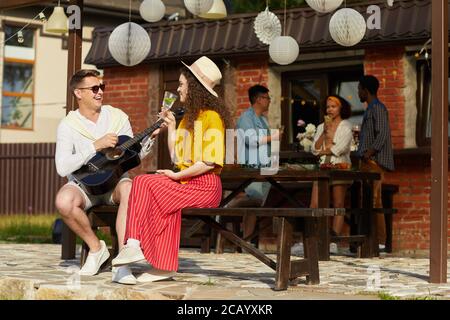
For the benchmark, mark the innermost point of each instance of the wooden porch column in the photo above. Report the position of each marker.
(73, 64)
(75, 55)
(439, 144)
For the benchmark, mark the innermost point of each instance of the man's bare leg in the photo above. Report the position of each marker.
(69, 202)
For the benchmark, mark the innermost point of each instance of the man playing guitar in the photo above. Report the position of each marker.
(82, 133)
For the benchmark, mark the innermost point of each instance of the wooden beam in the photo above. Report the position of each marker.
(439, 143)
(74, 56)
(11, 4)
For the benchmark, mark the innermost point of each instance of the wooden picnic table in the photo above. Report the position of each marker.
(241, 177)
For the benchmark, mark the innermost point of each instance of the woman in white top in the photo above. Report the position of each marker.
(332, 143)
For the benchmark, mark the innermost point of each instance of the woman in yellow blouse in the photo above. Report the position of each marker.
(197, 148)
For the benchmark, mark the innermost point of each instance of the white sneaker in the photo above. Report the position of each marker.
(333, 248)
(95, 261)
(297, 249)
(148, 277)
(123, 275)
(127, 255)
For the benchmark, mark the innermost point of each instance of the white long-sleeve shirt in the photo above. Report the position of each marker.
(73, 150)
(341, 143)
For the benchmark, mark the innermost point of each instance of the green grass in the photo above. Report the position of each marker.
(210, 282)
(387, 296)
(20, 228)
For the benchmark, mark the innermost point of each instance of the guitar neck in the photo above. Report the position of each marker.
(138, 138)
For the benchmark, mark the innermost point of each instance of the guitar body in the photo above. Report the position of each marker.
(99, 179)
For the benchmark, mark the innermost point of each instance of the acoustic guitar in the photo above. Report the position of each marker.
(104, 170)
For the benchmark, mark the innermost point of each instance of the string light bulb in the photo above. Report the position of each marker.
(42, 17)
(20, 38)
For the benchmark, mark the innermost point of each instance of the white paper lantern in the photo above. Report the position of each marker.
(218, 11)
(347, 27)
(129, 44)
(267, 26)
(284, 50)
(152, 10)
(324, 6)
(198, 7)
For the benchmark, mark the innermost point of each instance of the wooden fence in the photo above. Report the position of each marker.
(28, 178)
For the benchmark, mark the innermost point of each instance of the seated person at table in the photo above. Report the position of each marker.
(197, 148)
(254, 137)
(91, 128)
(332, 142)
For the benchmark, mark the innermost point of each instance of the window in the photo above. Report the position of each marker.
(424, 125)
(18, 85)
(305, 95)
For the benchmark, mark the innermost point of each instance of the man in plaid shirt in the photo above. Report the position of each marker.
(375, 146)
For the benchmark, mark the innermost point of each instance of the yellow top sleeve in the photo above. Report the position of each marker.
(205, 143)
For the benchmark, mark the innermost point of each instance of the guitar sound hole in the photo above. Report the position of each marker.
(114, 154)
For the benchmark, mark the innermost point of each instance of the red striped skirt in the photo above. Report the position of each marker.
(154, 213)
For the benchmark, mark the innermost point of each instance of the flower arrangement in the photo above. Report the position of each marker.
(306, 138)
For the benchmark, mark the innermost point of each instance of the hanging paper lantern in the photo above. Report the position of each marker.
(129, 44)
(198, 7)
(324, 6)
(284, 50)
(217, 11)
(152, 10)
(347, 27)
(267, 26)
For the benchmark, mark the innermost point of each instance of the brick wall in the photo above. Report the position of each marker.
(249, 72)
(128, 89)
(411, 226)
(387, 66)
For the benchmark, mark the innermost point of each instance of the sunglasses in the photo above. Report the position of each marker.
(95, 89)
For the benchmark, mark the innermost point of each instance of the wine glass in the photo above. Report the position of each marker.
(169, 100)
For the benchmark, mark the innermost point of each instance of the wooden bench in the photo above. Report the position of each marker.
(285, 268)
(359, 220)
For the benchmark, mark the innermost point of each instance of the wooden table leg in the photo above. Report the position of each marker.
(68, 243)
(369, 222)
(311, 250)
(284, 243)
(323, 223)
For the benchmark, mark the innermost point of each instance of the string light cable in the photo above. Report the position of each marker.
(39, 16)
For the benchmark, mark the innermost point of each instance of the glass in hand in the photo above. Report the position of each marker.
(169, 100)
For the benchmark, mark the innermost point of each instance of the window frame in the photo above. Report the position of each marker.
(423, 98)
(328, 77)
(18, 94)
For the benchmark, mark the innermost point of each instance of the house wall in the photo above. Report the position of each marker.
(135, 90)
(50, 78)
(397, 74)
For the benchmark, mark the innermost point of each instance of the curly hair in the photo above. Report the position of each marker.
(346, 107)
(198, 99)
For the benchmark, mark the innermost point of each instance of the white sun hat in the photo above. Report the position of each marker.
(207, 72)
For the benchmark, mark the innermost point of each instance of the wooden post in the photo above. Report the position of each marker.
(74, 56)
(73, 65)
(439, 143)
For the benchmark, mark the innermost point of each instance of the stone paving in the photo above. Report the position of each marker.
(37, 272)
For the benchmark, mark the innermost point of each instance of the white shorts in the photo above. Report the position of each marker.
(91, 200)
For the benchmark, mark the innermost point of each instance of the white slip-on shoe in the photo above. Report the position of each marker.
(123, 275)
(148, 277)
(333, 248)
(128, 255)
(95, 261)
(297, 249)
